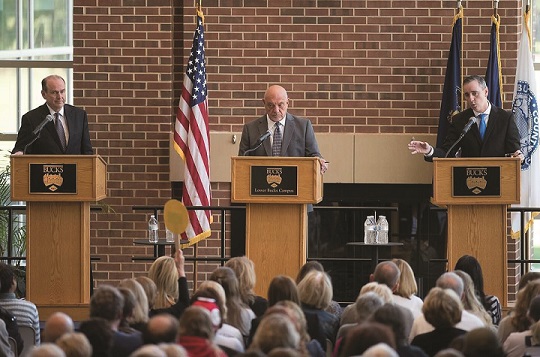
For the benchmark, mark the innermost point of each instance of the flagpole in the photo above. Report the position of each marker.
(461, 101)
(495, 7)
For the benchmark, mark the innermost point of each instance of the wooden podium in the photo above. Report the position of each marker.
(477, 192)
(58, 191)
(276, 191)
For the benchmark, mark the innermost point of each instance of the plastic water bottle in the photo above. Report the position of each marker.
(370, 230)
(153, 229)
(169, 236)
(382, 230)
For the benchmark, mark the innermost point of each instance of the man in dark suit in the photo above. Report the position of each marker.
(296, 134)
(497, 136)
(71, 137)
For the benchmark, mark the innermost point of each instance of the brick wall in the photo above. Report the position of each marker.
(350, 66)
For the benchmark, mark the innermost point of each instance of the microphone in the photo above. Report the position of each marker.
(260, 141)
(466, 128)
(38, 130)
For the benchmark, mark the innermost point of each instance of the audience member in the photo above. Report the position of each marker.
(365, 305)
(350, 312)
(443, 310)
(527, 277)
(284, 352)
(139, 316)
(150, 289)
(25, 311)
(197, 333)
(275, 331)
(471, 266)
(392, 316)
(75, 344)
(406, 290)
(100, 336)
(334, 307)
(470, 300)
(315, 291)
(162, 328)
(380, 350)
(467, 321)
(516, 343)
(518, 321)
(12, 327)
(482, 342)
(281, 288)
(57, 325)
(244, 269)
(239, 314)
(47, 350)
(449, 352)
(364, 336)
(5, 348)
(148, 351)
(127, 311)
(173, 350)
(108, 303)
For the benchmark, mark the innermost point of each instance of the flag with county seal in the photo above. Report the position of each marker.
(192, 139)
(525, 109)
(451, 96)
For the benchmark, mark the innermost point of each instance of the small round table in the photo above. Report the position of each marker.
(159, 248)
(375, 249)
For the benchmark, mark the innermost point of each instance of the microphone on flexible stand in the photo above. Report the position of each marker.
(466, 128)
(37, 131)
(260, 141)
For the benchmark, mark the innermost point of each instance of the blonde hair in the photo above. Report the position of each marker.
(470, 300)
(164, 273)
(315, 290)
(380, 289)
(407, 282)
(244, 269)
(150, 289)
(140, 310)
(75, 344)
(275, 331)
(442, 308)
(218, 289)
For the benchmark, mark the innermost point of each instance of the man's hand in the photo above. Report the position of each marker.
(324, 165)
(179, 260)
(419, 147)
(519, 154)
(18, 153)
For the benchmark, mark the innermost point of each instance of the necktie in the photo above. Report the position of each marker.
(482, 125)
(60, 130)
(276, 143)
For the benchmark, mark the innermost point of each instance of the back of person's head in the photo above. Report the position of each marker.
(148, 351)
(367, 334)
(284, 352)
(407, 282)
(47, 349)
(315, 290)
(366, 304)
(471, 266)
(482, 342)
(99, 334)
(244, 269)
(452, 281)
(173, 350)
(393, 317)
(281, 288)
(297, 317)
(306, 268)
(380, 289)
(218, 293)
(164, 273)
(56, 325)
(274, 331)
(205, 292)
(140, 310)
(7, 275)
(520, 320)
(449, 352)
(196, 321)
(150, 289)
(75, 344)
(212, 307)
(387, 273)
(129, 303)
(534, 309)
(107, 303)
(228, 280)
(380, 350)
(161, 328)
(442, 308)
(527, 277)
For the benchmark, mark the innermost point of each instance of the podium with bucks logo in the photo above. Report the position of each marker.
(477, 192)
(276, 191)
(58, 191)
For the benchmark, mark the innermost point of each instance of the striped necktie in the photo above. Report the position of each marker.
(60, 130)
(276, 143)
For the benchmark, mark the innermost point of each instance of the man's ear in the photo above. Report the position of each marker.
(371, 278)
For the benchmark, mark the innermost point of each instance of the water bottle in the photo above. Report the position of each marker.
(370, 230)
(382, 230)
(153, 229)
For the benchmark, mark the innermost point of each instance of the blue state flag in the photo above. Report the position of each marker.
(451, 96)
(493, 72)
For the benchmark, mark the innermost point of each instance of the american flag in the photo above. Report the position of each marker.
(192, 139)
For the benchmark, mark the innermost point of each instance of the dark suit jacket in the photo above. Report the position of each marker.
(298, 138)
(501, 137)
(48, 143)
